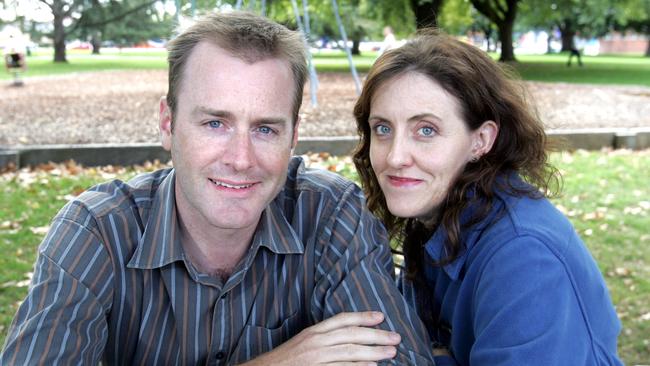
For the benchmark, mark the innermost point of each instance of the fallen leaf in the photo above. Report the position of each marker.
(39, 230)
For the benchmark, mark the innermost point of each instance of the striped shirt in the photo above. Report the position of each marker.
(112, 283)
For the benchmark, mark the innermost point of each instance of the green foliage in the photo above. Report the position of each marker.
(589, 17)
(456, 16)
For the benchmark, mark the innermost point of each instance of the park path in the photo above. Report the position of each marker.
(122, 107)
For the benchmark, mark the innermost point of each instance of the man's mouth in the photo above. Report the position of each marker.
(230, 185)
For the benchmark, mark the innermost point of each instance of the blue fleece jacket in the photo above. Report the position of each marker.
(524, 291)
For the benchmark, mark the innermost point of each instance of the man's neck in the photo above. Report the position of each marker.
(216, 253)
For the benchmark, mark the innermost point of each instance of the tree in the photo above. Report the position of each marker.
(426, 12)
(134, 27)
(73, 11)
(588, 17)
(503, 14)
(456, 16)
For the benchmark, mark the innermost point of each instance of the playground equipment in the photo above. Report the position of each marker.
(304, 28)
(15, 64)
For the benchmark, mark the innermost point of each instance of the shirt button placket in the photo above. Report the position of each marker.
(220, 331)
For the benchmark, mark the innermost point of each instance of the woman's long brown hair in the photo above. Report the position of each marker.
(485, 91)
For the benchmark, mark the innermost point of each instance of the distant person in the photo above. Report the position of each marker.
(238, 253)
(389, 42)
(454, 162)
(575, 50)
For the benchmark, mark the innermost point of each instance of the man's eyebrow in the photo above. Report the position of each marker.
(272, 121)
(201, 110)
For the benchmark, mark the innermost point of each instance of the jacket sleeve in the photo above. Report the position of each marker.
(355, 273)
(528, 310)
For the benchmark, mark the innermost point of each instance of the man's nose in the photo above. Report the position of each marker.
(240, 153)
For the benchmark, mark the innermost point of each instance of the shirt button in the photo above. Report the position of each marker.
(220, 355)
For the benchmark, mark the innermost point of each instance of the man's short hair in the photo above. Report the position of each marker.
(246, 36)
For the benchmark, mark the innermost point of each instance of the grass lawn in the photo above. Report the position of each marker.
(606, 196)
(630, 70)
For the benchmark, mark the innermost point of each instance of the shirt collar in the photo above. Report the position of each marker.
(160, 242)
(275, 232)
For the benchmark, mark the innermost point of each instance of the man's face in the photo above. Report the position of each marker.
(232, 138)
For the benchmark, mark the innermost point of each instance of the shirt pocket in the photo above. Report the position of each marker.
(256, 340)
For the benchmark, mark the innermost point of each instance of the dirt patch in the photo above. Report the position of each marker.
(122, 107)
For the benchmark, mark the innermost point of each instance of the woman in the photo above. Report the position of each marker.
(453, 161)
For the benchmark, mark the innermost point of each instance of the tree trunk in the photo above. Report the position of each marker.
(426, 13)
(58, 35)
(96, 42)
(647, 49)
(355, 46)
(488, 37)
(59, 42)
(505, 37)
(502, 14)
(567, 31)
(567, 40)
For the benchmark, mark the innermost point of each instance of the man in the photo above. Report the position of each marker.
(238, 253)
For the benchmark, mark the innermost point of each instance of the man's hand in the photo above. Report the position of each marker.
(344, 339)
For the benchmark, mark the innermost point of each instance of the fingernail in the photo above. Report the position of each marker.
(377, 315)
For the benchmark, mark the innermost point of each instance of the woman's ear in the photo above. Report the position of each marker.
(484, 138)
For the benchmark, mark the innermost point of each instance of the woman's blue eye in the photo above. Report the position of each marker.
(382, 130)
(427, 131)
(215, 124)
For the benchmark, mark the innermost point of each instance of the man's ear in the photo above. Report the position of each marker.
(165, 124)
(484, 138)
(294, 140)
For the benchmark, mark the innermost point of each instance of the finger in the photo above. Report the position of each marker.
(341, 320)
(357, 353)
(362, 335)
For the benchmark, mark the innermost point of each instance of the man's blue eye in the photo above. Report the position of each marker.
(427, 131)
(266, 130)
(215, 124)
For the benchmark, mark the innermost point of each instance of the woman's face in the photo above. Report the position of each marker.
(419, 143)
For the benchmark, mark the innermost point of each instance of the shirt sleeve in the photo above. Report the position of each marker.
(527, 311)
(63, 320)
(355, 273)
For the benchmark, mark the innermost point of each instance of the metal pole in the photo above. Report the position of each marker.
(357, 83)
(238, 5)
(263, 8)
(305, 14)
(313, 78)
(178, 11)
